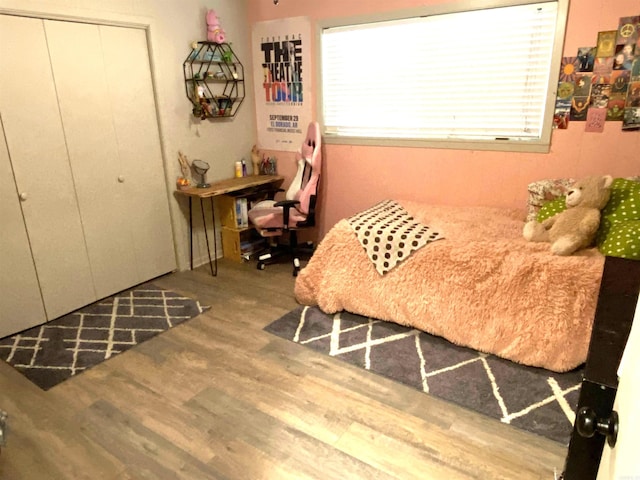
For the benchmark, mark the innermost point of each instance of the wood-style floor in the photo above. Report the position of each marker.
(216, 397)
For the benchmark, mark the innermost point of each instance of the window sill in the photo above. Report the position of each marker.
(532, 146)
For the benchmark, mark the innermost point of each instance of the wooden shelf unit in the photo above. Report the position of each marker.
(214, 80)
(253, 186)
(240, 240)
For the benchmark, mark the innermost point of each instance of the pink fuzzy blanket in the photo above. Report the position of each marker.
(483, 286)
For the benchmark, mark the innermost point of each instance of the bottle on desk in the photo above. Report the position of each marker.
(238, 169)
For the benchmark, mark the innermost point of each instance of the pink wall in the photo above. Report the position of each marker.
(355, 177)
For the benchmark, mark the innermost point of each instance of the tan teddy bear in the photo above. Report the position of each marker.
(574, 228)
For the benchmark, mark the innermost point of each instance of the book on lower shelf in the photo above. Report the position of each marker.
(245, 213)
(252, 246)
(234, 211)
(242, 215)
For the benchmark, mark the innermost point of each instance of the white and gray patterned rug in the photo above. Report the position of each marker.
(532, 399)
(53, 352)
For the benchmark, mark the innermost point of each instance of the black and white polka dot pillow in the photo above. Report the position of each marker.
(389, 234)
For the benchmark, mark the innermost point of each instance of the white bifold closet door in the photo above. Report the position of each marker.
(79, 115)
(107, 107)
(134, 112)
(38, 152)
(20, 301)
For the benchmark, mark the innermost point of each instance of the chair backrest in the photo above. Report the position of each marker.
(304, 187)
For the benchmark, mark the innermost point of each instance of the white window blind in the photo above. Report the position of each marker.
(476, 75)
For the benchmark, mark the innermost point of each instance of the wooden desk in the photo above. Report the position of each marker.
(243, 185)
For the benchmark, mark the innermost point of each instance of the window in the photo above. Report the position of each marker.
(480, 79)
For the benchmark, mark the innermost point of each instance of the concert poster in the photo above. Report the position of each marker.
(282, 82)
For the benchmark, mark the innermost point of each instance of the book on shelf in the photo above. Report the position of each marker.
(245, 213)
(242, 215)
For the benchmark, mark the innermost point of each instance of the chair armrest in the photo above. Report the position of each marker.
(286, 203)
(286, 206)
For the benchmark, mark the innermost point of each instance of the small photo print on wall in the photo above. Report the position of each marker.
(600, 94)
(620, 81)
(635, 69)
(628, 30)
(579, 107)
(615, 107)
(631, 119)
(586, 58)
(595, 120)
(623, 57)
(606, 46)
(561, 115)
(603, 65)
(568, 69)
(633, 95)
(583, 84)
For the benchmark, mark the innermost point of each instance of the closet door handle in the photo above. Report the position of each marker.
(23, 196)
(121, 178)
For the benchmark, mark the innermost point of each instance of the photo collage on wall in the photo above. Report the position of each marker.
(602, 82)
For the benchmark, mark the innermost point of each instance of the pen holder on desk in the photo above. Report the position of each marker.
(268, 166)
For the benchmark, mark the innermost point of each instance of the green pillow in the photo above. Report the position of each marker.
(619, 232)
(622, 240)
(551, 208)
(624, 203)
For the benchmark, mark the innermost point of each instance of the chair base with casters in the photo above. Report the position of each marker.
(293, 250)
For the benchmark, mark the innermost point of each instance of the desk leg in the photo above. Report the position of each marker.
(206, 237)
(190, 234)
(215, 244)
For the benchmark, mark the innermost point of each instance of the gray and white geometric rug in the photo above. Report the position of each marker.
(51, 353)
(532, 399)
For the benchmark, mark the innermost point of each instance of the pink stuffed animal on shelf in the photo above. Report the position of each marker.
(215, 33)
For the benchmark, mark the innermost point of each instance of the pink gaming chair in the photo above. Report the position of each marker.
(277, 218)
